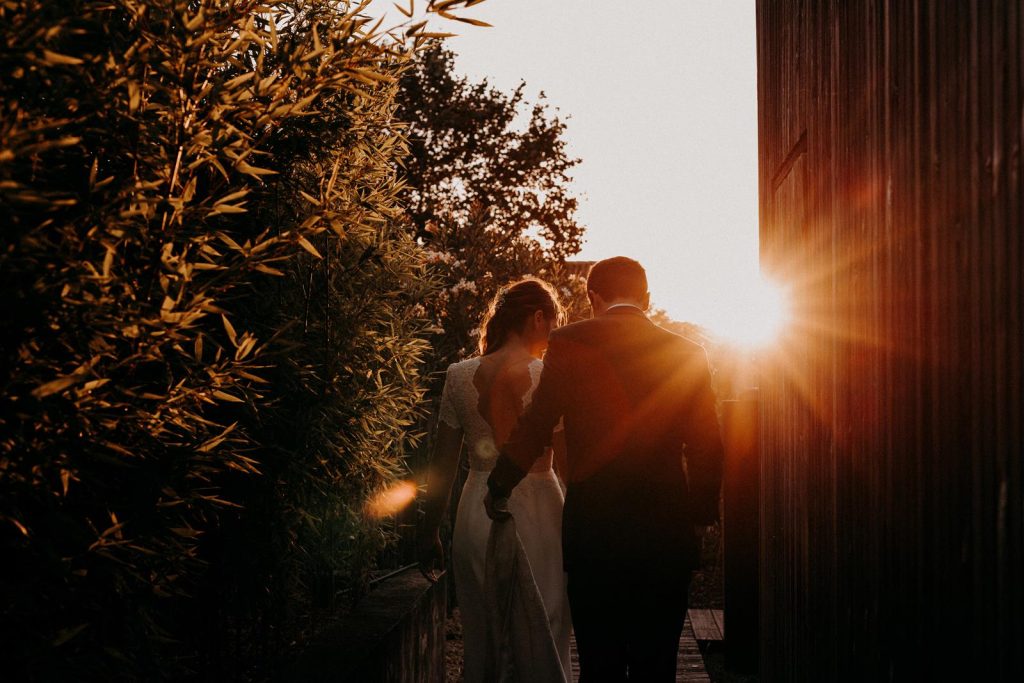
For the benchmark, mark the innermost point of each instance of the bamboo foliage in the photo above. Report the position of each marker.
(210, 349)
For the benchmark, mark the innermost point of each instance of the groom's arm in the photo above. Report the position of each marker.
(532, 434)
(704, 452)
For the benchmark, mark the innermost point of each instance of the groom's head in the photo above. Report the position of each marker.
(617, 280)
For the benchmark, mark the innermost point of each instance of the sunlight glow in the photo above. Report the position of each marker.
(759, 313)
(392, 500)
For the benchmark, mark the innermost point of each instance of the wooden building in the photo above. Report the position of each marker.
(891, 448)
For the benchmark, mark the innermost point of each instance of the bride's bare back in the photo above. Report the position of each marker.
(503, 382)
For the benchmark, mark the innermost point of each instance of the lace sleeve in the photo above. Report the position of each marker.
(535, 367)
(448, 414)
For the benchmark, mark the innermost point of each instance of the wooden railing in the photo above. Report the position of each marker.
(394, 635)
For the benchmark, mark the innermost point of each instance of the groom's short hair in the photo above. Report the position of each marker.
(617, 277)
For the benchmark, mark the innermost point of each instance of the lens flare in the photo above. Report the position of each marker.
(757, 317)
(391, 500)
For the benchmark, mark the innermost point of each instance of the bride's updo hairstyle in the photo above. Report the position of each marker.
(512, 306)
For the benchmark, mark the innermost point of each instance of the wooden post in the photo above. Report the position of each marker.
(740, 532)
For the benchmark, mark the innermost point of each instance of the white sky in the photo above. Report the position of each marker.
(661, 97)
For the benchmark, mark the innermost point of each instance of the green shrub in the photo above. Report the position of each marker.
(211, 351)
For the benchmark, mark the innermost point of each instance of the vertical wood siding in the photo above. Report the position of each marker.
(891, 185)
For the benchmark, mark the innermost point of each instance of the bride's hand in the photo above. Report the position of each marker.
(497, 508)
(430, 555)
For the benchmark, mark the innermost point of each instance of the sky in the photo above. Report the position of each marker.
(661, 100)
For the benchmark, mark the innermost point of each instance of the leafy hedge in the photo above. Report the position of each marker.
(211, 349)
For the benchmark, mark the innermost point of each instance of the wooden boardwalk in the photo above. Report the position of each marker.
(690, 662)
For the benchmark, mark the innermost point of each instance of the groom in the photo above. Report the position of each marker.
(644, 467)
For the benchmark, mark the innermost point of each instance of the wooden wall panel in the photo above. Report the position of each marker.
(890, 178)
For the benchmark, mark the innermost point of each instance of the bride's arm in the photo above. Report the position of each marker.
(441, 471)
(444, 464)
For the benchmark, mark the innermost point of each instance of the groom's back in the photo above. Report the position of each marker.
(634, 393)
(629, 387)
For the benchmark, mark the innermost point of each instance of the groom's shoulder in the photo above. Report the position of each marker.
(577, 330)
(603, 325)
(681, 347)
(680, 340)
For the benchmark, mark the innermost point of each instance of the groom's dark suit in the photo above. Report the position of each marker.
(631, 395)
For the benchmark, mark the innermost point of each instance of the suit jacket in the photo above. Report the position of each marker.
(633, 398)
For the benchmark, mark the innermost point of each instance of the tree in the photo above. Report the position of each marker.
(488, 192)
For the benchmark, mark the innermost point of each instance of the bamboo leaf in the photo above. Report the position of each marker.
(53, 387)
(247, 344)
(226, 209)
(415, 28)
(21, 527)
(134, 96)
(263, 268)
(245, 167)
(474, 22)
(225, 396)
(305, 244)
(186, 532)
(372, 76)
(64, 635)
(239, 80)
(51, 57)
(233, 196)
(195, 22)
(94, 384)
(230, 329)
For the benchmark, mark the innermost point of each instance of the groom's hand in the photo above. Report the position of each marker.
(701, 530)
(497, 508)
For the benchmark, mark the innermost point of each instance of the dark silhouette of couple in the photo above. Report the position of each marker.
(619, 412)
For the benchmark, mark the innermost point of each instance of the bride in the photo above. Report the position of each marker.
(481, 402)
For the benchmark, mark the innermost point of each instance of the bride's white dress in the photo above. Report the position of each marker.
(536, 506)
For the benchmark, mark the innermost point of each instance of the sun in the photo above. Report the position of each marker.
(754, 316)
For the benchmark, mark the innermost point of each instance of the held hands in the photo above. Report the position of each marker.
(430, 555)
(702, 530)
(497, 508)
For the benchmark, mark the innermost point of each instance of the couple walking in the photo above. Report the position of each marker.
(624, 410)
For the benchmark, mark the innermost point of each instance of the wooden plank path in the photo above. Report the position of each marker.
(708, 624)
(690, 662)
